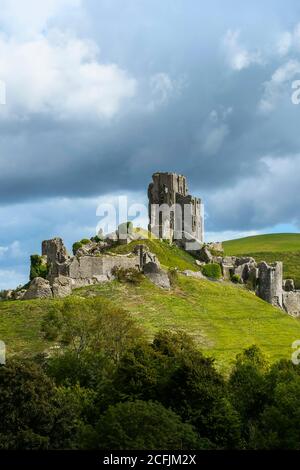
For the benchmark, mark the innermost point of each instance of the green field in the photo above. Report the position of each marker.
(283, 247)
(276, 242)
(222, 317)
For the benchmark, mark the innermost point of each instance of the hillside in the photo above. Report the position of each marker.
(283, 247)
(223, 318)
(170, 256)
(276, 242)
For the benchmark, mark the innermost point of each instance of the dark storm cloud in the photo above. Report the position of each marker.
(205, 122)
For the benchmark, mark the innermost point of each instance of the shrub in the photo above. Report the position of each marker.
(236, 279)
(3, 294)
(85, 241)
(173, 276)
(130, 275)
(212, 270)
(76, 247)
(38, 267)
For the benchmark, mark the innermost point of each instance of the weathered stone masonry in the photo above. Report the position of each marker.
(184, 220)
(66, 272)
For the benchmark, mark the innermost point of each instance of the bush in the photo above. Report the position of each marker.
(76, 247)
(173, 276)
(38, 267)
(131, 275)
(85, 241)
(236, 279)
(97, 239)
(3, 294)
(212, 270)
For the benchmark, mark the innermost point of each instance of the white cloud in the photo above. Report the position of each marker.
(11, 251)
(214, 131)
(238, 56)
(61, 75)
(262, 200)
(10, 279)
(284, 43)
(228, 235)
(289, 41)
(214, 140)
(163, 88)
(277, 85)
(26, 18)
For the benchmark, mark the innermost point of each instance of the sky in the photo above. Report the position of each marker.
(100, 94)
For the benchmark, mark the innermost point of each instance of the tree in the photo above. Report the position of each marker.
(94, 324)
(172, 371)
(141, 373)
(279, 423)
(33, 415)
(248, 388)
(197, 392)
(141, 425)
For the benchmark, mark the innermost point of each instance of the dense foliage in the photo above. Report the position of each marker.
(77, 245)
(38, 267)
(212, 270)
(105, 386)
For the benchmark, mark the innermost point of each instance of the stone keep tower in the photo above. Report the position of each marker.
(173, 213)
(270, 283)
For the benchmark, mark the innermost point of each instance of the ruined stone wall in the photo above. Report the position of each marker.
(270, 282)
(291, 302)
(57, 257)
(87, 267)
(66, 272)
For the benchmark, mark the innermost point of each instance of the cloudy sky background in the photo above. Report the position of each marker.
(102, 93)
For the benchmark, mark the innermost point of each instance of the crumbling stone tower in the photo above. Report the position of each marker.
(173, 213)
(270, 283)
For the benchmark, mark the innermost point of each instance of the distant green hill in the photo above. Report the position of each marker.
(283, 247)
(275, 242)
(222, 317)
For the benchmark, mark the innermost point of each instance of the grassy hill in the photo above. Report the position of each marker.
(276, 242)
(223, 318)
(170, 256)
(283, 247)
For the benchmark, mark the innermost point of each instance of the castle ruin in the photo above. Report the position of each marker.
(173, 213)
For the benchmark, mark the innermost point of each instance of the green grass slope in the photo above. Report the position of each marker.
(170, 256)
(283, 247)
(222, 318)
(275, 242)
(20, 326)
